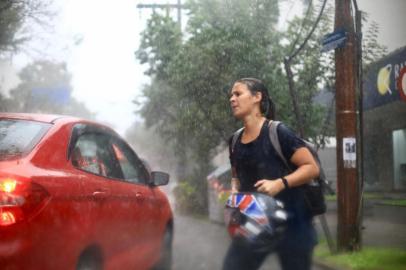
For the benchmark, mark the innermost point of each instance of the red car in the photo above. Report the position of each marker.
(74, 195)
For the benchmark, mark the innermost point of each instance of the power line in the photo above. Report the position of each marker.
(293, 55)
(177, 6)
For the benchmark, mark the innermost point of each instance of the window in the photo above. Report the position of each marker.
(399, 158)
(18, 137)
(92, 153)
(132, 168)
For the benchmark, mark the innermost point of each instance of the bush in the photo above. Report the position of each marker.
(186, 198)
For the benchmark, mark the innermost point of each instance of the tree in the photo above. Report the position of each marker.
(189, 91)
(45, 88)
(191, 76)
(371, 49)
(310, 72)
(17, 19)
(3, 103)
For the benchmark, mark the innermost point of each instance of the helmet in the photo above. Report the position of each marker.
(255, 218)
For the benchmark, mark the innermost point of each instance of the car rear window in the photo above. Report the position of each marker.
(18, 137)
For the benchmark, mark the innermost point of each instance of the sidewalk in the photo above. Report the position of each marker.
(382, 225)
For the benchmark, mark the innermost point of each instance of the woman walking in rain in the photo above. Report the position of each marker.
(256, 167)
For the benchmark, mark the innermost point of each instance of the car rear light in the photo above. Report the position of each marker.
(19, 200)
(7, 218)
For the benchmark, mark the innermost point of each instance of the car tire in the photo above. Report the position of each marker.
(89, 260)
(165, 259)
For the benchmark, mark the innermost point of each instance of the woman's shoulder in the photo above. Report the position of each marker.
(285, 130)
(288, 138)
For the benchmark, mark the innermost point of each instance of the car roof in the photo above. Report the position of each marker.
(47, 118)
(53, 119)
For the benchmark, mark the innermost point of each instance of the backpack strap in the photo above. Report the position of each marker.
(234, 139)
(273, 136)
(231, 146)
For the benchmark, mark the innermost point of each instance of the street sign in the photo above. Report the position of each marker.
(333, 40)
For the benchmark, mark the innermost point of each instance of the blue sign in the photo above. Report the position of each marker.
(59, 95)
(333, 40)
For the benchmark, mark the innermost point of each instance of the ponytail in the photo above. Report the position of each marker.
(268, 108)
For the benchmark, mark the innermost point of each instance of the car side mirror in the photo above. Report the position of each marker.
(159, 178)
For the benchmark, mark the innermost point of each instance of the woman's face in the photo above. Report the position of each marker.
(242, 101)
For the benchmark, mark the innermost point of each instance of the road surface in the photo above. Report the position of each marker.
(201, 245)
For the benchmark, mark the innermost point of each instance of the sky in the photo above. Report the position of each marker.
(98, 38)
(106, 74)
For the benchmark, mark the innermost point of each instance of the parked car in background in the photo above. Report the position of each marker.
(74, 195)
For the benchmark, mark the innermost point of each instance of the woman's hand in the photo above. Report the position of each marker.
(235, 185)
(270, 187)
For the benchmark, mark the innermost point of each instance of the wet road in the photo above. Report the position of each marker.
(201, 245)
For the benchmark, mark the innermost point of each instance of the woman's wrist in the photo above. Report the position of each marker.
(285, 183)
(235, 184)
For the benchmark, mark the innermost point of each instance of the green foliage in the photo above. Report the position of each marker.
(371, 49)
(394, 202)
(3, 103)
(312, 69)
(160, 42)
(187, 100)
(376, 197)
(186, 198)
(16, 18)
(367, 259)
(10, 21)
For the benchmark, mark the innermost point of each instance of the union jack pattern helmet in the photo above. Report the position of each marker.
(255, 217)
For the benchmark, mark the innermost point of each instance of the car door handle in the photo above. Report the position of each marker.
(139, 196)
(100, 194)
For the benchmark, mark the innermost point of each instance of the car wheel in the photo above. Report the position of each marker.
(165, 259)
(89, 260)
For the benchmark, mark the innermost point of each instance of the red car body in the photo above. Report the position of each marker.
(56, 213)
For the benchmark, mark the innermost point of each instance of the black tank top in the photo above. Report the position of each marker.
(258, 160)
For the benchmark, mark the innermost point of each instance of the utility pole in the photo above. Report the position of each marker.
(348, 188)
(178, 6)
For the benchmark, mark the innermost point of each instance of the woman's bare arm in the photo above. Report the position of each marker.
(307, 170)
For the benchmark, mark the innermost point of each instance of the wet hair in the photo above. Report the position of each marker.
(267, 106)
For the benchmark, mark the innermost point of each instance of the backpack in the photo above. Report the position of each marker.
(314, 190)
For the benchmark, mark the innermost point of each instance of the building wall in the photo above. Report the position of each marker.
(384, 112)
(379, 124)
